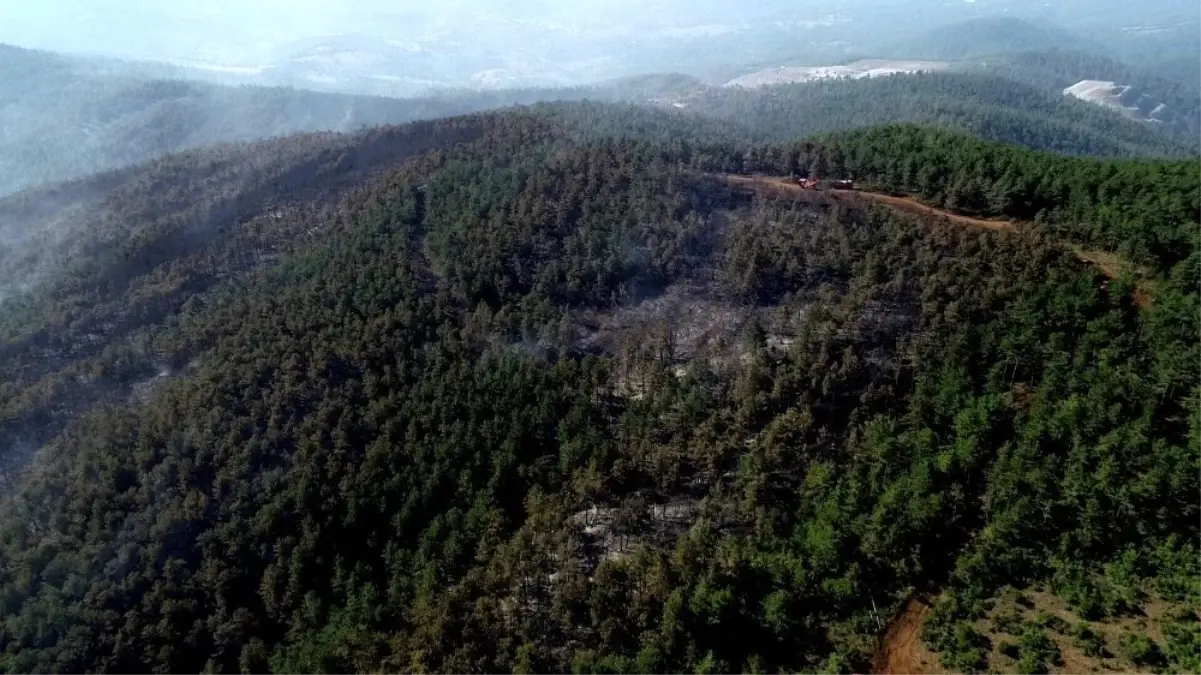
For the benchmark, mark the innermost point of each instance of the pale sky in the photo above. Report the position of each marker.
(173, 28)
(243, 30)
(104, 25)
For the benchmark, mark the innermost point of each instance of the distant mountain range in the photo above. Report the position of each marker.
(69, 116)
(376, 48)
(984, 37)
(1145, 87)
(66, 117)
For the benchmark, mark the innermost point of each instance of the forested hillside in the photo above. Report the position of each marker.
(1054, 70)
(541, 391)
(1142, 209)
(66, 118)
(988, 106)
(987, 36)
(62, 120)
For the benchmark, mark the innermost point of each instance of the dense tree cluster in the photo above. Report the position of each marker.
(1146, 210)
(520, 392)
(985, 36)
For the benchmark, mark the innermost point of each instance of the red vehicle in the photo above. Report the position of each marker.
(814, 184)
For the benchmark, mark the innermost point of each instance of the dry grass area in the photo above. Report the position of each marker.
(903, 650)
(1110, 263)
(1114, 266)
(1033, 606)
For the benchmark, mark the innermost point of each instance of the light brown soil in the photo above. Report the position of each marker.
(901, 649)
(913, 206)
(781, 186)
(1075, 662)
(1113, 266)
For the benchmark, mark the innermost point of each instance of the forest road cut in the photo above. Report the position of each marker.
(900, 649)
(782, 186)
(1107, 263)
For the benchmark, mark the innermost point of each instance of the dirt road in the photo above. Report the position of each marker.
(913, 206)
(782, 186)
(901, 651)
(1109, 264)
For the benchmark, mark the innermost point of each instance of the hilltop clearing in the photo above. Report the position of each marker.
(992, 107)
(785, 186)
(1109, 264)
(1123, 98)
(855, 70)
(1059, 70)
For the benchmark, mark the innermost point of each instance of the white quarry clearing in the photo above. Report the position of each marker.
(856, 70)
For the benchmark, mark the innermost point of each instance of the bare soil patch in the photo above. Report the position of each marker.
(858, 69)
(1113, 266)
(1147, 621)
(780, 186)
(901, 649)
(913, 206)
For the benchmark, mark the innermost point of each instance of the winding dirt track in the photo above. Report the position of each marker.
(900, 646)
(913, 206)
(781, 186)
(1108, 264)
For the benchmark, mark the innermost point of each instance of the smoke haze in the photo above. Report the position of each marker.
(626, 35)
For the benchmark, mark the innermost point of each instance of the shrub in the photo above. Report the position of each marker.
(1183, 643)
(1088, 640)
(1039, 652)
(1050, 621)
(1073, 585)
(961, 647)
(1010, 649)
(1142, 650)
(1008, 622)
